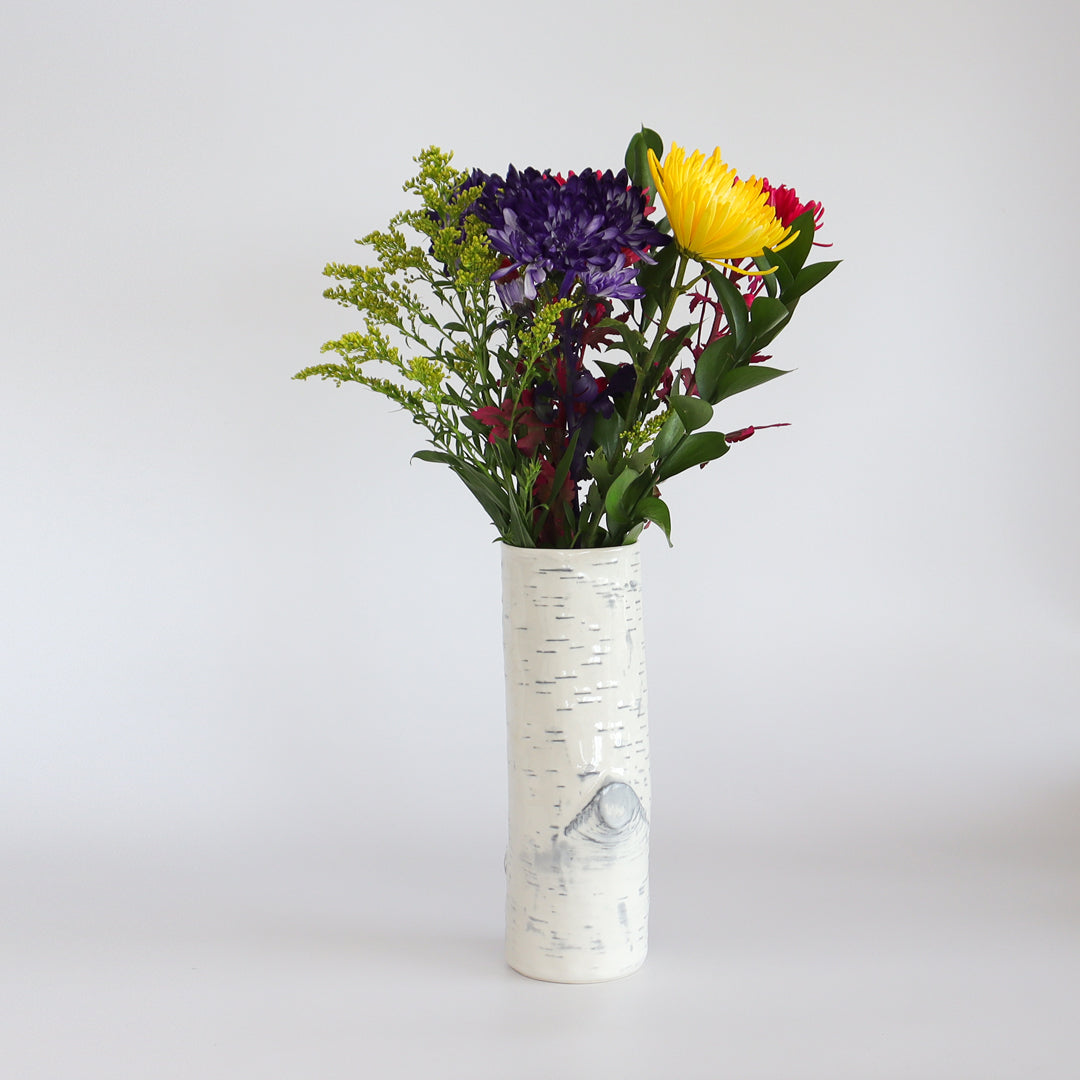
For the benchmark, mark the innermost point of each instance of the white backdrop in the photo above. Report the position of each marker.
(251, 747)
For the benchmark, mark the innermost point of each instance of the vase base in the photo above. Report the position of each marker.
(570, 978)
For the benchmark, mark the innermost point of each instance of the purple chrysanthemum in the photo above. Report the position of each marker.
(590, 228)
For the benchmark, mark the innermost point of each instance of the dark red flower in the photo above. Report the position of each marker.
(502, 419)
(667, 380)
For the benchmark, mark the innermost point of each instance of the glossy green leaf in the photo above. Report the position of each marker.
(671, 434)
(780, 281)
(772, 283)
(734, 304)
(812, 275)
(637, 161)
(606, 433)
(633, 341)
(794, 255)
(655, 279)
(766, 317)
(614, 502)
(693, 411)
(654, 509)
(745, 378)
(669, 347)
(717, 357)
(694, 450)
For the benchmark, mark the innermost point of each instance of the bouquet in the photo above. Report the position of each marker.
(563, 346)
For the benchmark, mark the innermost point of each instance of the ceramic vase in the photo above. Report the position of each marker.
(577, 861)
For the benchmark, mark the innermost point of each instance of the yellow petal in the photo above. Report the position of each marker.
(715, 216)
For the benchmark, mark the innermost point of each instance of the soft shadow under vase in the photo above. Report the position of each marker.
(577, 861)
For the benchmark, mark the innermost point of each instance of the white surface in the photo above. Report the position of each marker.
(950, 953)
(225, 739)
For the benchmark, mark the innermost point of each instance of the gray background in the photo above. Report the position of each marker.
(252, 785)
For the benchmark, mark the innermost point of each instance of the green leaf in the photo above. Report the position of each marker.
(453, 396)
(560, 477)
(656, 281)
(780, 281)
(694, 450)
(717, 357)
(669, 347)
(475, 426)
(745, 378)
(614, 501)
(637, 161)
(437, 456)
(653, 140)
(633, 341)
(734, 304)
(794, 255)
(693, 411)
(565, 462)
(606, 433)
(767, 316)
(490, 496)
(654, 509)
(812, 275)
(671, 434)
(601, 472)
(772, 286)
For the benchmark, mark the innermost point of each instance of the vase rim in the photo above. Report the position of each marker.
(611, 547)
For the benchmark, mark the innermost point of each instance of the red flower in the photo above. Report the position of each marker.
(544, 488)
(667, 380)
(502, 419)
(496, 418)
(785, 202)
(553, 508)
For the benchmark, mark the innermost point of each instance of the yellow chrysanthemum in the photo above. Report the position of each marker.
(714, 215)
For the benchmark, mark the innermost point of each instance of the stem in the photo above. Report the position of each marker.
(639, 385)
(665, 318)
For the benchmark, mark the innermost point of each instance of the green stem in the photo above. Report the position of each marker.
(639, 385)
(665, 318)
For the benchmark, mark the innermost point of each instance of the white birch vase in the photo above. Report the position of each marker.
(577, 862)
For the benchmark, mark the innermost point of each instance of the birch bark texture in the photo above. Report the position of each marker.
(577, 861)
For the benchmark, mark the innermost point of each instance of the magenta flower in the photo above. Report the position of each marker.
(746, 432)
(787, 206)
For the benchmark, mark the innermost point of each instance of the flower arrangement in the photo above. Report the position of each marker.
(562, 349)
